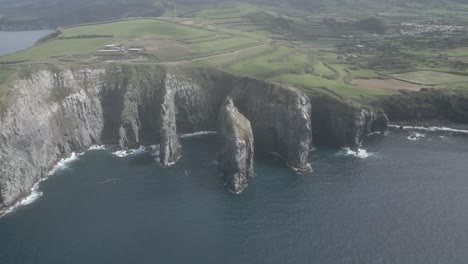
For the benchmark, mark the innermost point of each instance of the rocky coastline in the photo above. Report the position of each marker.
(55, 113)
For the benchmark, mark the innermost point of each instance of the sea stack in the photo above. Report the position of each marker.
(236, 148)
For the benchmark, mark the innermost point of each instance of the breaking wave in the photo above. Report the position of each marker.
(360, 153)
(35, 193)
(62, 164)
(154, 149)
(415, 136)
(198, 134)
(433, 128)
(97, 147)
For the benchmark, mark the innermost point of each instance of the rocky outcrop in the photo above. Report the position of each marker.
(236, 149)
(169, 142)
(427, 105)
(52, 113)
(56, 112)
(339, 123)
(131, 102)
(280, 119)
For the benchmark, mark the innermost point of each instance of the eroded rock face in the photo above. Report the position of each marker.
(426, 105)
(236, 148)
(131, 102)
(340, 124)
(169, 142)
(280, 119)
(53, 114)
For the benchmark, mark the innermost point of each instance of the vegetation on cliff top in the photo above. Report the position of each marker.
(336, 53)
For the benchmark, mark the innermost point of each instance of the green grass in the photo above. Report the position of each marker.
(321, 69)
(457, 52)
(205, 38)
(138, 28)
(226, 60)
(283, 59)
(430, 77)
(365, 74)
(58, 47)
(223, 44)
(5, 75)
(337, 86)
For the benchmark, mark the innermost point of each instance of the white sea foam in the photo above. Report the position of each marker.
(299, 171)
(33, 196)
(122, 153)
(154, 149)
(432, 129)
(198, 134)
(97, 147)
(360, 153)
(35, 193)
(64, 162)
(378, 133)
(415, 136)
(127, 152)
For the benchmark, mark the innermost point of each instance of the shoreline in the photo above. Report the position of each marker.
(34, 193)
(432, 125)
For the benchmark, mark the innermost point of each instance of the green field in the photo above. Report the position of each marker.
(319, 50)
(5, 75)
(223, 44)
(282, 59)
(58, 47)
(338, 87)
(365, 74)
(322, 70)
(232, 58)
(138, 28)
(458, 52)
(430, 77)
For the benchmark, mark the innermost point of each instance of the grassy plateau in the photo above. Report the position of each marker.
(336, 49)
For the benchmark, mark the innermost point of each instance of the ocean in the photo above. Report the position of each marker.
(402, 199)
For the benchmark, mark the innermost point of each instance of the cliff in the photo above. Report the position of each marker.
(52, 113)
(236, 149)
(280, 119)
(339, 123)
(427, 105)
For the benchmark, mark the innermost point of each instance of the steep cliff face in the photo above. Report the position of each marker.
(131, 100)
(280, 119)
(426, 104)
(169, 141)
(236, 149)
(341, 124)
(53, 115)
(199, 95)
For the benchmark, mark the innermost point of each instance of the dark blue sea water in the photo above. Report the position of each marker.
(407, 202)
(15, 41)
